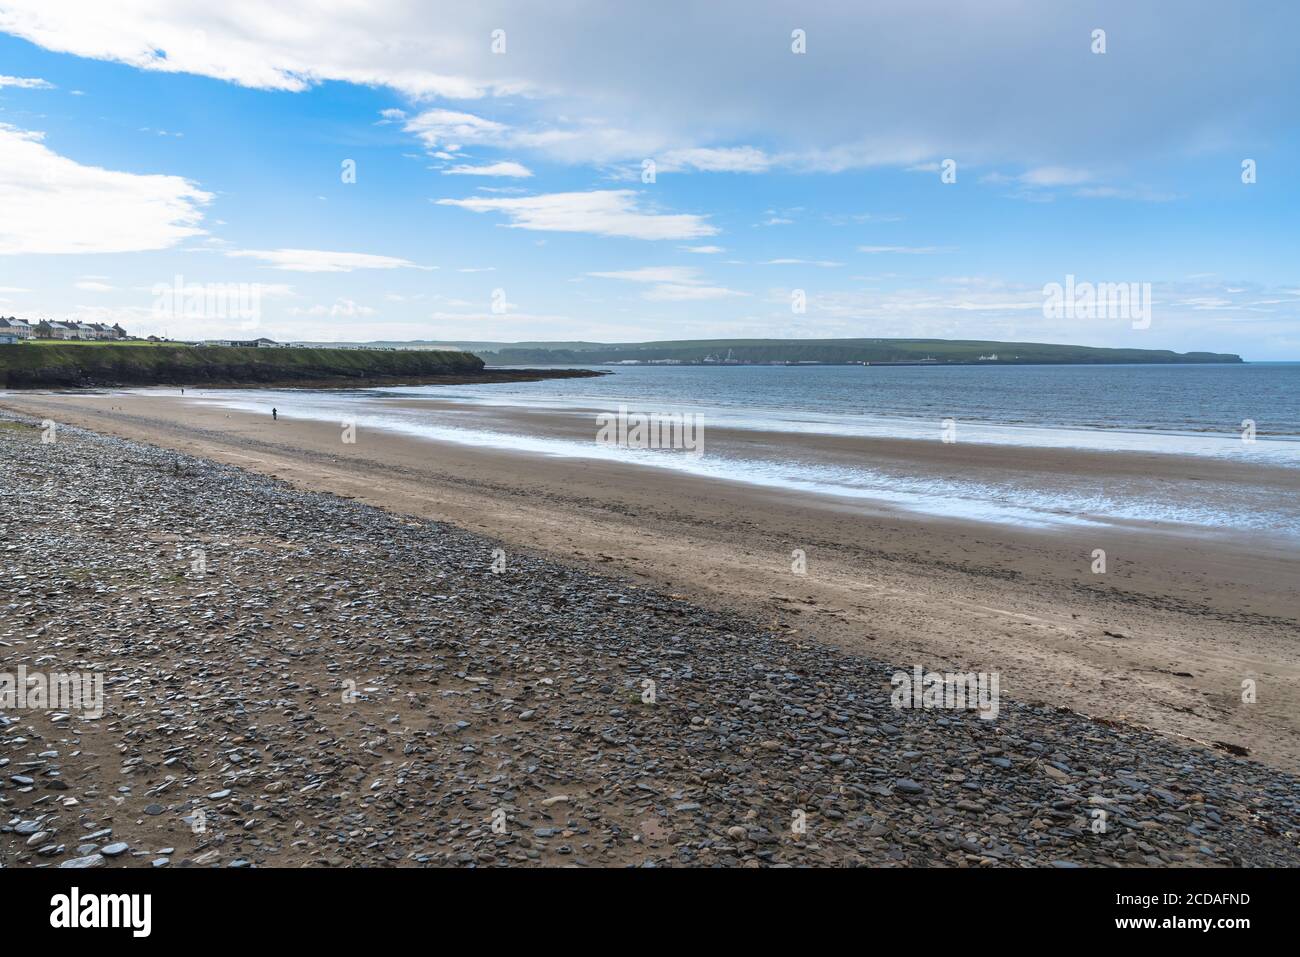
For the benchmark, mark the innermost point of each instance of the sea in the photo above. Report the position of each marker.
(1243, 412)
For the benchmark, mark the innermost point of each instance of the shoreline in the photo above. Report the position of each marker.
(486, 377)
(1044, 485)
(1163, 640)
(796, 364)
(513, 697)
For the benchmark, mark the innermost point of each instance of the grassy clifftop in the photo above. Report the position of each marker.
(50, 365)
(942, 351)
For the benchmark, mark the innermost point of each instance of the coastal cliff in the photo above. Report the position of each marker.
(48, 365)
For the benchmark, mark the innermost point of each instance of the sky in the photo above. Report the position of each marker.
(492, 171)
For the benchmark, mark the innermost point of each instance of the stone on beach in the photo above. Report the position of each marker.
(340, 685)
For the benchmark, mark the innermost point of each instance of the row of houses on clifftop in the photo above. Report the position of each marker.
(18, 329)
(11, 330)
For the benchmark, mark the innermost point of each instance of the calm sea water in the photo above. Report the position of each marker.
(1209, 398)
(1181, 409)
(1173, 410)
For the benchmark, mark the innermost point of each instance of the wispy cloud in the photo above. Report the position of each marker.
(672, 292)
(737, 159)
(678, 274)
(808, 113)
(339, 309)
(503, 168)
(25, 82)
(671, 283)
(453, 128)
(1055, 176)
(53, 204)
(319, 260)
(1043, 184)
(904, 250)
(614, 212)
(823, 263)
(1139, 193)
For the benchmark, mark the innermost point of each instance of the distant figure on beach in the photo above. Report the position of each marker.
(274, 416)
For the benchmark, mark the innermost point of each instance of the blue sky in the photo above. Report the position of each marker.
(500, 195)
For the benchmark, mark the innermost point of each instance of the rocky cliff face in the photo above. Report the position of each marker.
(71, 366)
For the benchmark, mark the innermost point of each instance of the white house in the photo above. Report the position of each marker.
(262, 343)
(16, 328)
(49, 329)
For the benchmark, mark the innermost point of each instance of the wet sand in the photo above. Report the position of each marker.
(1164, 639)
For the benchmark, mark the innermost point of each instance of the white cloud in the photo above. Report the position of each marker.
(137, 320)
(602, 212)
(25, 82)
(292, 49)
(1055, 176)
(671, 283)
(808, 112)
(844, 219)
(903, 250)
(445, 132)
(451, 128)
(491, 169)
(92, 285)
(738, 159)
(53, 204)
(318, 260)
(824, 263)
(538, 318)
(705, 250)
(652, 274)
(1140, 193)
(340, 309)
(671, 292)
(1039, 182)
(1214, 316)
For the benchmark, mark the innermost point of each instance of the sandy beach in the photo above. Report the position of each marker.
(1164, 639)
(276, 677)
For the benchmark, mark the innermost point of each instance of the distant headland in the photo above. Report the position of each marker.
(73, 355)
(722, 352)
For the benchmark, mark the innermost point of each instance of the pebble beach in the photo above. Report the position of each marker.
(293, 678)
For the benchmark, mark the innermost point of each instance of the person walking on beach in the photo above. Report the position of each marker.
(274, 416)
